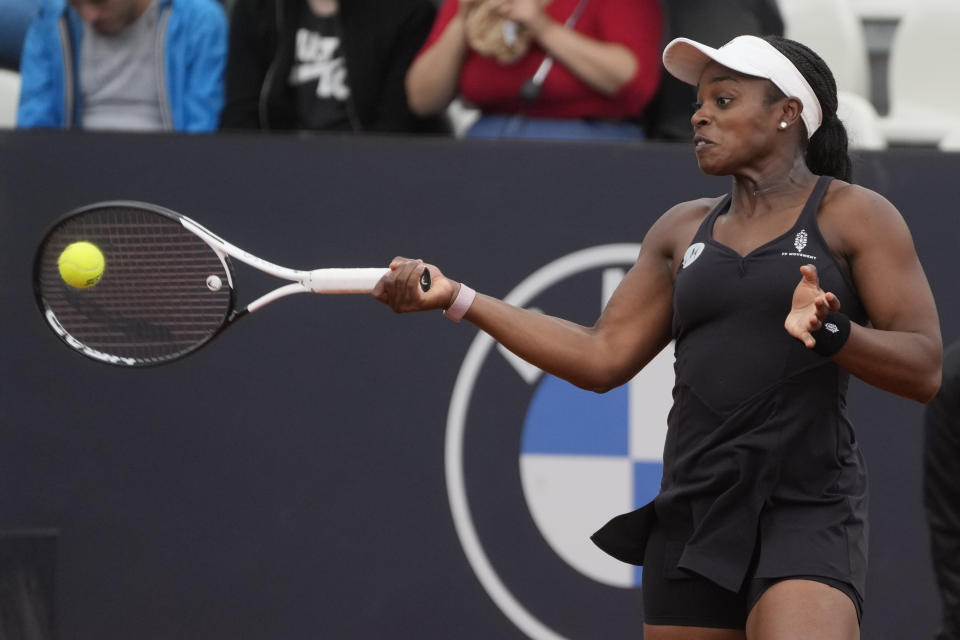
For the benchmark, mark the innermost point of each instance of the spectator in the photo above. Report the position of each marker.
(941, 490)
(325, 65)
(575, 69)
(712, 23)
(142, 65)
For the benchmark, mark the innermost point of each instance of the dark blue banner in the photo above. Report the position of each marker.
(327, 469)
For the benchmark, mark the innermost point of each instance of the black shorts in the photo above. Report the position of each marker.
(673, 596)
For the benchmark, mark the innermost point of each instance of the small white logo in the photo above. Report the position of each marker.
(832, 328)
(693, 252)
(800, 242)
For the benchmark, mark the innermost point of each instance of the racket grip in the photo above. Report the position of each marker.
(361, 280)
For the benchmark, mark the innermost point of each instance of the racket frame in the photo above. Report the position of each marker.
(323, 280)
(326, 280)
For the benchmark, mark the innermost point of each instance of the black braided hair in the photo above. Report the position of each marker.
(827, 151)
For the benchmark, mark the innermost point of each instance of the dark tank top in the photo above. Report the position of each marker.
(762, 473)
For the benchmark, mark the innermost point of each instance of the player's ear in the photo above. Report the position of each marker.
(790, 110)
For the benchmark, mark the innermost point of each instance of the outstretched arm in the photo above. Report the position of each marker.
(633, 328)
(902, 351)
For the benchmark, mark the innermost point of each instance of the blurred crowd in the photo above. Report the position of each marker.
(559, 69)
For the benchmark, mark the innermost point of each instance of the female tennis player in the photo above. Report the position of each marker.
(775, 293)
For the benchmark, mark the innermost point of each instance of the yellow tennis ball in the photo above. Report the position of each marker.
(81, 264)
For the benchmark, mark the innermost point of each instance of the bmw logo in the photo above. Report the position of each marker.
(535, 465)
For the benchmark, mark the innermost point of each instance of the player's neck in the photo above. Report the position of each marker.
(772, 189)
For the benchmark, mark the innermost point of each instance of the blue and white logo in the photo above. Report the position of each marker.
(578, 459)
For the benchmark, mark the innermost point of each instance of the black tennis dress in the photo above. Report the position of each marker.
(762, 473)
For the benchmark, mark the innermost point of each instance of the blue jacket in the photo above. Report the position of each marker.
(194, 51)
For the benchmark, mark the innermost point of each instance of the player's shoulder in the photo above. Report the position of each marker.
(855, 198)
(859, 218)
(678, 224)
(684, 214)
(690, 210)
(853, 206)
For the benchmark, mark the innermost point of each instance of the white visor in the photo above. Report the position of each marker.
(749, 55)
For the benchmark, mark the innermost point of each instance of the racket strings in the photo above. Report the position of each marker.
(154, 300)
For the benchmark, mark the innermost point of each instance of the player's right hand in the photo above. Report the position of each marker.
(400, 288)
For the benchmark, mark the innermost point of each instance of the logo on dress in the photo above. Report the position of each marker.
(693, 252)
(800, 243)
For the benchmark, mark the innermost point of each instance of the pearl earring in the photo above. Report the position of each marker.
(783, 124)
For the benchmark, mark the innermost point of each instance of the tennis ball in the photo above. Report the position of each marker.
(81, 265)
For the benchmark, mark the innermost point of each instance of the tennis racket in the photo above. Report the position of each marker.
(168, 285)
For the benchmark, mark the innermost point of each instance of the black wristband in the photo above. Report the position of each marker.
(832, 334)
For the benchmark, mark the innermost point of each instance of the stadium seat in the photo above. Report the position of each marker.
(879, 9)
(862, 122)
(951, 142)
(833, 29)
(9, 94)
(924, 95)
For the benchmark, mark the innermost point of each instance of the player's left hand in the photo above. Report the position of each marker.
(811, 304)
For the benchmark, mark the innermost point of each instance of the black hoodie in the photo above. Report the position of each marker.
(380, 39)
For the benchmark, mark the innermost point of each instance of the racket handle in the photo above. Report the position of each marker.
(361, 280)
(344, 280)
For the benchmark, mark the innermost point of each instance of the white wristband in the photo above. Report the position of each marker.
(461, 303)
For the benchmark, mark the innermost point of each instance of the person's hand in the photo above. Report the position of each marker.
(810, 306)
(400, 287)
(526, 13)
